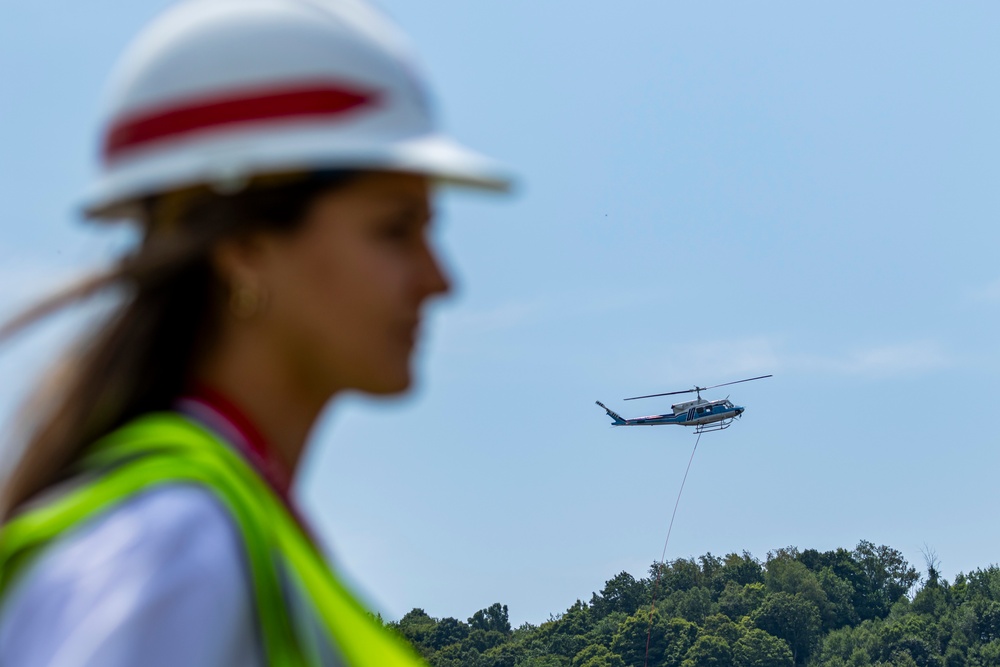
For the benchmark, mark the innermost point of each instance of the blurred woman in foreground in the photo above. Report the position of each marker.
(280, 158)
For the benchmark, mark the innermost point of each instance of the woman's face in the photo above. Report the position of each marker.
(345, 291)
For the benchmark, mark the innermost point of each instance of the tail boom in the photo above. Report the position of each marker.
(618, 420)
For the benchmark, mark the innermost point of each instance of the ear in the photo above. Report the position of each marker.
(239, 260)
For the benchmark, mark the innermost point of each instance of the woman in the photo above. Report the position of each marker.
(280, 157)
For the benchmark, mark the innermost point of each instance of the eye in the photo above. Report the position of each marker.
(397, 230)
(401, 226)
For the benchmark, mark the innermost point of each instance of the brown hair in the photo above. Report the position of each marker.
(141, 358)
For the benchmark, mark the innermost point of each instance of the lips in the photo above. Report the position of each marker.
(409, 333)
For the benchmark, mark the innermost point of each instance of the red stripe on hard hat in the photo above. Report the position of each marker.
(248, 106)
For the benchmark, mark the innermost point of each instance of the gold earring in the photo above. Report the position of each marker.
(245, 301)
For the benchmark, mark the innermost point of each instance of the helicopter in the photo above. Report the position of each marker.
(704, 415)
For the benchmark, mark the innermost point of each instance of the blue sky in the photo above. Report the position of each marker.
(708, 191)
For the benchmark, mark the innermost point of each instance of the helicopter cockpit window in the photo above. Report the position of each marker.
(701, 410)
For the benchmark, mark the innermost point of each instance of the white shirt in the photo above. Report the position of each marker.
(160, 579)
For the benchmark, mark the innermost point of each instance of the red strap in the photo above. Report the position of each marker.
(303, 101)
(251, 443)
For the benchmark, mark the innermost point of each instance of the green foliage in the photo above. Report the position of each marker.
(448, 631)
(738, 601)
(578, 619)
(858, 645)
(543, 661)
(839, 592)
(620, 593)
(503, 655)
(987, 654)
(885, 577)
(455, 655)
(720, 626)
(680, 575)
(693, 605)
(792, 618)
(931, 600)
(786, 575)
(603, 631)
(987, 620)
(417, 627)
(483, 640)
(630, 641)
(742, 570)
(709, 651)
(494, 618)
(954, 658)
(596, 655)
(680, 635)
(669, 639)
(981, 584)
(842, 608)
(757, 648)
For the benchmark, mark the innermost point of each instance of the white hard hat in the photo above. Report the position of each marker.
(221, 90)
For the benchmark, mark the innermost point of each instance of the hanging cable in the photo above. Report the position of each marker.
(663, 556)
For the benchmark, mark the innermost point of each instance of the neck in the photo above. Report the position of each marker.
(267, 394)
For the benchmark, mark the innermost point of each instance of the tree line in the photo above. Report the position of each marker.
(840, 608)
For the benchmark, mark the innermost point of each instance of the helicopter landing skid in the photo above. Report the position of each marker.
(715, 426)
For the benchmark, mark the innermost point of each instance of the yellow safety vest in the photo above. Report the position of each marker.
(165, 448)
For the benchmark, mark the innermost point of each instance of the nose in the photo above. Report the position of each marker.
(435, 280)
(439, 281)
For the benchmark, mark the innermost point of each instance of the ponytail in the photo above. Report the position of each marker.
(141, 358)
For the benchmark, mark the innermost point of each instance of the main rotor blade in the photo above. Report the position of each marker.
(691, 391)
(737, 382)
(669, 393)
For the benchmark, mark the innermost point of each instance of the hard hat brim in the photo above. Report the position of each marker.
(240, 156)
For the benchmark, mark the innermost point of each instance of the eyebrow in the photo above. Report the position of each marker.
(413, 205)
